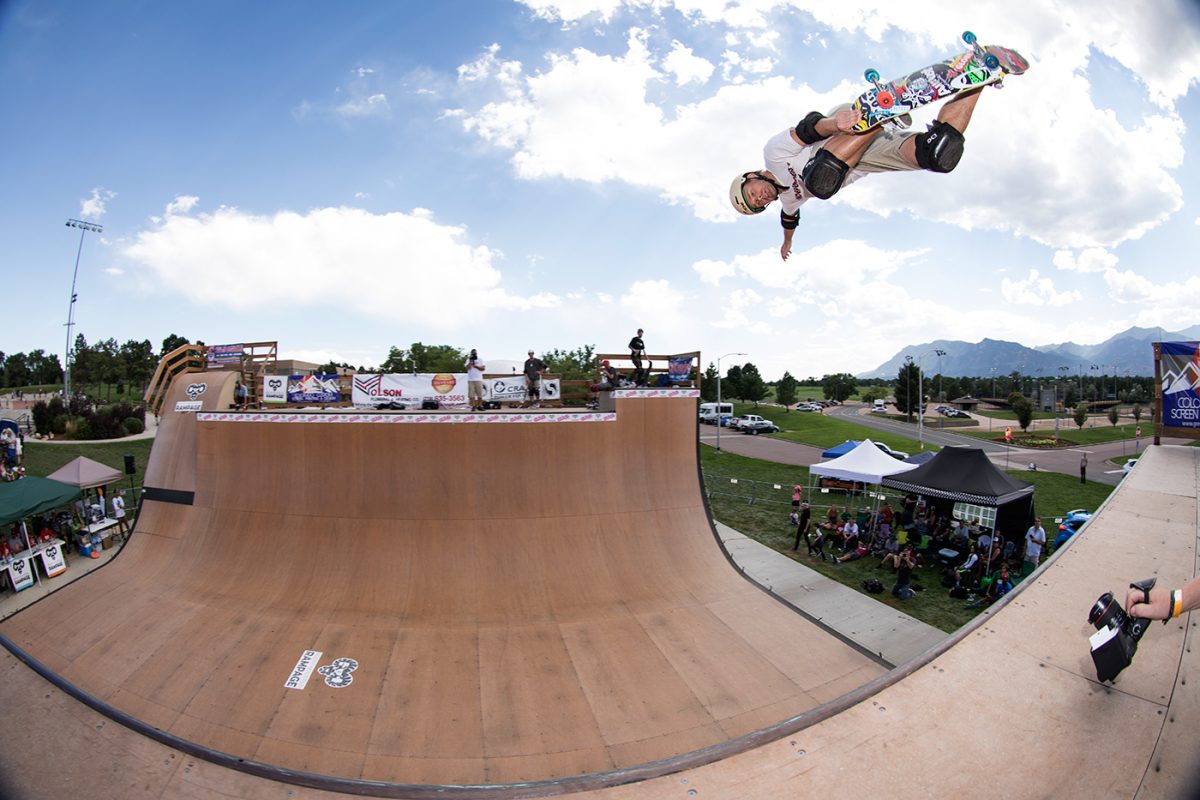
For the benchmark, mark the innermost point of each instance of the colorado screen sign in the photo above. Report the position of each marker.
(1179, 363)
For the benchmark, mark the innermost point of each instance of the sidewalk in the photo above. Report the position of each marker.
(894, 636)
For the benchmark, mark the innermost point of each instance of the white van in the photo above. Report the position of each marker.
(709, 412)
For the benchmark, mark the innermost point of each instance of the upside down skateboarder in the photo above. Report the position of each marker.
(820, 155)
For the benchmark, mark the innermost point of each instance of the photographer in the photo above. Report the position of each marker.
(475, 368)
(1164, 603)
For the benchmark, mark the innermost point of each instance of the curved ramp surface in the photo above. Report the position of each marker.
(1008, 708)
(488, 600)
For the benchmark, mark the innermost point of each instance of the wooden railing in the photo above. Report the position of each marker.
(256, 358)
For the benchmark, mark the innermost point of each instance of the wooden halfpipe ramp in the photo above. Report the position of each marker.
(526, 608)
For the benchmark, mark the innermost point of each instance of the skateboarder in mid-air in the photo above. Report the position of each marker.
(821, 155)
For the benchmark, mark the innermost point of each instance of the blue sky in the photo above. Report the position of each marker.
(342, 178)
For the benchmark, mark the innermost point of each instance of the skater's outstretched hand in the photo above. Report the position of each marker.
(846, 118)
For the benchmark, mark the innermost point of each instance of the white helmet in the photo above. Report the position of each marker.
(737, 194)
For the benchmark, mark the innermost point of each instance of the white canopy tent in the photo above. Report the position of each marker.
(865, 463)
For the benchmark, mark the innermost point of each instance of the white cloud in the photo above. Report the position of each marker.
(182, 204)
(1094, 259)
(378, 265)
(375, 105)
(362, 72)
(1035, 290)
(1170, 304)
(573, 10)
(94, 206)
(686, 66)
(1034, 151)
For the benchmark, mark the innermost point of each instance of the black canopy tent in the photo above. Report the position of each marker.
(966, 475)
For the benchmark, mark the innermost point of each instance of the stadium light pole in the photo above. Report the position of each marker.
(921, 392)
(719, 422)
(84, 227)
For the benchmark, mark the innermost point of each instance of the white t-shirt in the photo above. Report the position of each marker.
(474, 373)
(1034, 539)
(118, 507)
(785, 159)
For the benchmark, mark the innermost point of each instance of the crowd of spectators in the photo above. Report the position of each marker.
(974, 562)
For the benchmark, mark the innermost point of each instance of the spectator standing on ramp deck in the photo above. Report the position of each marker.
(534, 367)
(637, 349)
(475, 369)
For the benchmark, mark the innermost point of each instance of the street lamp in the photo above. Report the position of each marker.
(84, 227)
(921, 392)
(908, 360)
(1064, 369)
(720, 422)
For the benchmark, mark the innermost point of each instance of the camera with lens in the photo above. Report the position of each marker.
(1117, 634)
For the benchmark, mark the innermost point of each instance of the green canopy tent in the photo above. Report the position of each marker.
(32, 495)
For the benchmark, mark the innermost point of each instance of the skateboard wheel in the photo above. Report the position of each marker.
(990, 61)
(885, 100)
(968, 37)
(871, 75)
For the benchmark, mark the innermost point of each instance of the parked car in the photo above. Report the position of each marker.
(899, 455)
(808, 407)
(754, 424)
(730, 422)
(1070, 524)
(879, 410)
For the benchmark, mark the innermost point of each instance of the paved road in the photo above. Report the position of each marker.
(1064, 461)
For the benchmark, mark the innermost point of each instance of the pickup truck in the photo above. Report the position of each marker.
(754, 425)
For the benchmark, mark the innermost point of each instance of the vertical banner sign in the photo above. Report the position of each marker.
(680, 369)
(275, 388)
(1179, 363)
(52, 560)
(20, 572)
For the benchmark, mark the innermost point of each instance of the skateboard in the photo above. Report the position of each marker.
(890, 102)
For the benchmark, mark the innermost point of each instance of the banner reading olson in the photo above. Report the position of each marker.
(1179, 363)
(374, 390)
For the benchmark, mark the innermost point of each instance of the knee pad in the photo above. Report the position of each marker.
(823, 174)
(940, 147)
(806, 128)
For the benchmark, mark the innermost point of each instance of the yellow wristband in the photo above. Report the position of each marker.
(1177, 598)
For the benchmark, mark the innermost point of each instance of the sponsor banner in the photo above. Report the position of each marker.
(275, 388)
(513, 390)
(648, 393)
(363, 418)
(188, 406)
(1179, 365)
(679, 370)
(20, 573)
(313, 389)
(52, 560)
(305, 666)
(449, 389)
(225, 353)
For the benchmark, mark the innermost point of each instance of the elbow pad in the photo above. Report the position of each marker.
(806, 128)
(789, 221)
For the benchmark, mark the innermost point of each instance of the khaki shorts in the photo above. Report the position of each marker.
(475, 390)
(883, 154)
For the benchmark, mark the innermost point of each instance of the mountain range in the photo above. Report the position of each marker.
(1127, 353)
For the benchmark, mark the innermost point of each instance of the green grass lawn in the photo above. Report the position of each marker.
(41, 458)
(820, 430)
(754, 507)
(1074, 435)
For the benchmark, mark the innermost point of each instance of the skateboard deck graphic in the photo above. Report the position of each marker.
(976, 68)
